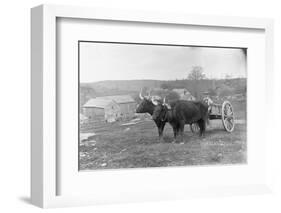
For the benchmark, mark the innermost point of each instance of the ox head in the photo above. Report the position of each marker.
(161, 111)
(147, 104)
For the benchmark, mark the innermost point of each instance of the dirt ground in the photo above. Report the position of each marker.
(136, 145)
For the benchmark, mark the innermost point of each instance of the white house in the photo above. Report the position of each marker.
(184, 94)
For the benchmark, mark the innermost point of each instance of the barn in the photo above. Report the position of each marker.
(126, 104)
(109, 108)
(83, 118)
(184, 94)
(101, 110)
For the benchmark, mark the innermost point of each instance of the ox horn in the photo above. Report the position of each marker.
(164, 101)
(149, 93)
(141, 97)
(165, 104)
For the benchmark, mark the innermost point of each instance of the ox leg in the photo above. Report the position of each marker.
(202, 126)
(175, 130)
(181, 130)
(160, 131)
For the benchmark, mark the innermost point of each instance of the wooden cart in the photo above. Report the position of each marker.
(222, 111)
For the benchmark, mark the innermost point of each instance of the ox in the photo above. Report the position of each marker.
(147, 105)
(182, 112)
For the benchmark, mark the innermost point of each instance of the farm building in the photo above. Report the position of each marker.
(102, 110)
(83, 118)
(184, 94)
(110, 108)
(126, 104)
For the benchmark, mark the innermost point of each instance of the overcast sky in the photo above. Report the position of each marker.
(108, 61)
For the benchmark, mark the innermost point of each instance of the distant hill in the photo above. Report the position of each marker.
(86, 93)
(132, 87)
(120, 86)
(125, 85)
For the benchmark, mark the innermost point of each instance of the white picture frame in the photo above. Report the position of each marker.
(44, 155)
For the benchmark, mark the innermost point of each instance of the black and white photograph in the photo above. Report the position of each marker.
(161, 105)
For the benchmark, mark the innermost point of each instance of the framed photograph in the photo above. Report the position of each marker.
(131, 106)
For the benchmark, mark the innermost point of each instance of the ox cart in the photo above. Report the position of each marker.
(222, 111)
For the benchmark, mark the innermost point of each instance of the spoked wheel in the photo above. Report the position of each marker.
(194, 128)
(227, 116)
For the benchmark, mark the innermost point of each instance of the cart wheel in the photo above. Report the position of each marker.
(194, 128)
(227, 116)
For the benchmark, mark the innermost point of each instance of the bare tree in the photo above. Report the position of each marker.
(196, 73)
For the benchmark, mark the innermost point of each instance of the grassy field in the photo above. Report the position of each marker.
(136, 145)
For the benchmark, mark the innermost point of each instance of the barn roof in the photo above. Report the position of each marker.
(120, 99)
(98, 103)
